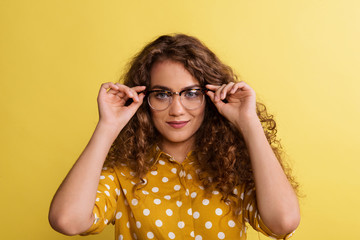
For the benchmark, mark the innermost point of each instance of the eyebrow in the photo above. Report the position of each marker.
(169, 89)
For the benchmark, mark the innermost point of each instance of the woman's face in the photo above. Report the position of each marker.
(176, 124)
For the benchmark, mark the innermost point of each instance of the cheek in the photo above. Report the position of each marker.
(200, 116)
(156, 119)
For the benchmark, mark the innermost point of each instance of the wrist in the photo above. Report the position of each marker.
(109, 131)
(248, 124)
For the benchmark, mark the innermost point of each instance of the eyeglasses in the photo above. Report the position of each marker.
(191, 98)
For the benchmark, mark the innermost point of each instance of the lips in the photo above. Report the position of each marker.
(177, 124)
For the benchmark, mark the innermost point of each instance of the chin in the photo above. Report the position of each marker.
(178, 139)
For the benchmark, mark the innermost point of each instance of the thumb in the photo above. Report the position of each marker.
(135, 105)
(217, 102)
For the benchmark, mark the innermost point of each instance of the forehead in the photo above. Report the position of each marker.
(172, 75)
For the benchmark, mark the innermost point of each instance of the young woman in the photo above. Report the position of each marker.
(182, 150)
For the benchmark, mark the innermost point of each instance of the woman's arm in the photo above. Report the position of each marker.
(72, 206)
(276, 199)
(71, 209)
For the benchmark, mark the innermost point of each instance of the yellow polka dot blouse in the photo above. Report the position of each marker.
(171, 204)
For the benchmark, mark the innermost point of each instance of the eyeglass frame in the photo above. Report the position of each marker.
(147, 92)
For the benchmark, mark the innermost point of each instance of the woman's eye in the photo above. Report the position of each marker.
(192, 93)
(162, 95)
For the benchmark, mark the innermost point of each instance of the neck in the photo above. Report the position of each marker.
(178, 151)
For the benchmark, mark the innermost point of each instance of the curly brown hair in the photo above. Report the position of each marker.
(219, 147)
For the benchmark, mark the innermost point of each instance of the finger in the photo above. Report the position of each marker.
(134, 95)
(141, 98)
(212, 87)
(112, 91)
(226, 89)
(107, 86)
(244, 85)
(212, 96)
(246, 88)
(133, 104)
(236, 87)
(125, 92)
(121, 94)
(139, 89)
(218, 92)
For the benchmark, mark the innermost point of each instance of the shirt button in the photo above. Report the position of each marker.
(182, 173)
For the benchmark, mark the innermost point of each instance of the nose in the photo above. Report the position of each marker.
(176, 108)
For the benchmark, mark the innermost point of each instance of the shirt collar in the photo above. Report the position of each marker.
(159, 154)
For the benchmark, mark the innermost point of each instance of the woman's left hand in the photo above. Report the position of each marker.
(239, 104)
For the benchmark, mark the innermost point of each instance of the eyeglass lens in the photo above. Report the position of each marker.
(189, 98)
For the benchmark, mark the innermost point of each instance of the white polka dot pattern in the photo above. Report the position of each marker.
(196, 215)
(117, 191)
(169, 212)
(118, 215)
(181, 224)
(221, 235)
(231, 223)
(208, 225)
(205, 202)
(189, 211)
(134, 202)
(150, 235)
(158, 223)
(198, 237)
(171, 203)
(146, 212)
(171, 235)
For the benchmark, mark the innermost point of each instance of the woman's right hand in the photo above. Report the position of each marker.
(111, 102)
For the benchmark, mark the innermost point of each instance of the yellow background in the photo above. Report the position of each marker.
(301, 57)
